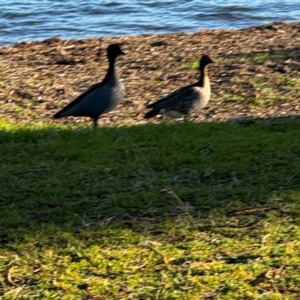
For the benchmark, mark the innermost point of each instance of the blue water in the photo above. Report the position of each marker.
(37, 20)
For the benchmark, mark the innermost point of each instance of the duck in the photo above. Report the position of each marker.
(101, 97)
(187, 99)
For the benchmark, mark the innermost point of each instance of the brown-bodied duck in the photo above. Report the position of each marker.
(187, 99)
(100, 97)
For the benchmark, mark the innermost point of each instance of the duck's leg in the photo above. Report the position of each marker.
(95, 122)
(164, 118)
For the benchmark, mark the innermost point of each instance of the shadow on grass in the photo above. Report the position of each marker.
(86, 203)
(81, 175)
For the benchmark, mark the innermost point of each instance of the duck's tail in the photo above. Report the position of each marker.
(151, 113)
(57, 115)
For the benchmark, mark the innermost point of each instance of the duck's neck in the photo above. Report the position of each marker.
(204, 79)
(111, 76)
(112, 61)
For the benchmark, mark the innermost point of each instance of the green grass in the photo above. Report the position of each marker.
(23, 111)
(256, 58)
(2, 81)
(156, 81)
(261, 92)
(279, 88)
(168, 211)
(192, 64)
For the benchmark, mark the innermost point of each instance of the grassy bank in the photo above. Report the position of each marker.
(155, 211)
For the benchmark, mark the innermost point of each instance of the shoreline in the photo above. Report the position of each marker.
(256, 73)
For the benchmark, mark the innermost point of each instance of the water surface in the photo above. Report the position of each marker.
(37, 20)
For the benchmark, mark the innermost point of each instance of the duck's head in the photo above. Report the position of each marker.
(114, 50)
(204, 61)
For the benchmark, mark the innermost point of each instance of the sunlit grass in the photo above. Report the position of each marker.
(192, 64)
(253, 58)
(262, 90)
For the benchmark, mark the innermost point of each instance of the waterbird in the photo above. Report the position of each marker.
(187, 99)
(100, 97)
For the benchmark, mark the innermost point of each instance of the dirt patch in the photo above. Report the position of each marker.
(256, 73)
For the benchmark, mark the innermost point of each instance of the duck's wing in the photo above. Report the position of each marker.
(79, 98)
(172, 95)
(180, 100)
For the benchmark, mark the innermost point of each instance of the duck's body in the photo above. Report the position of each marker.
(100, 97)
(187, 99)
